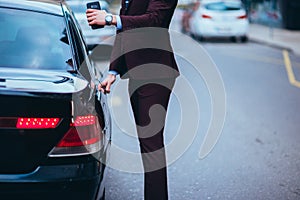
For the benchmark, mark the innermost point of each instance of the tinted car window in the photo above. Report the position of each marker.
(76, 42)
(223, 6)
(82, 61)
(33, 40)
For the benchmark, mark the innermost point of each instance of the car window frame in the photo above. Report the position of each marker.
(71, 23)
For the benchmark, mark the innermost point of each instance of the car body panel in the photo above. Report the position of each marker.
(40, 80)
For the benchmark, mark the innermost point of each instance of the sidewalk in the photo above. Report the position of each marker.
(279, 38)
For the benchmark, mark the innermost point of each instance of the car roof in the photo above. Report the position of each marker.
(47, 6)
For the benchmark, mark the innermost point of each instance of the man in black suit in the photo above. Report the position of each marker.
(151, 72)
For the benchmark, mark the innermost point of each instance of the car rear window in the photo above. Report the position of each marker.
(33, 40)
(224, 6)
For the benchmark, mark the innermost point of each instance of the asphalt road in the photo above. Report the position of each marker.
(257, 154)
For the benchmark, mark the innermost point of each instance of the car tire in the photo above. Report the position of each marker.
(193, 35)
(233, 39)
(200, 38)
(244, 39)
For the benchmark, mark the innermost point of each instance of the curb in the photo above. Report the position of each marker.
(270, 44)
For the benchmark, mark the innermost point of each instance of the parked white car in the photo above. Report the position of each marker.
(217, 18)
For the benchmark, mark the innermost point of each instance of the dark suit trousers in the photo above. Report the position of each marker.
(149, 104)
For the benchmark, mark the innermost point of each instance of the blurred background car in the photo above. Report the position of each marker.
(217, 18)
(92, 36)
(54, 125)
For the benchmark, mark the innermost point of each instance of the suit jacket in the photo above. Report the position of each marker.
(142, 49)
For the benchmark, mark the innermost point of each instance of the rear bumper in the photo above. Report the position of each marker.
(79, 190)
(80, 181)
(208, 29)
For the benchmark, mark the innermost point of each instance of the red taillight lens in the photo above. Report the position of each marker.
(206, 16)
(37, 123)
(85, 130)
(29, 122)
(85, 120)
(242, 17)
(83, 137)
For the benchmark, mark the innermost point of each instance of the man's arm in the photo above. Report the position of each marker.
(97, 17)
(158, 14)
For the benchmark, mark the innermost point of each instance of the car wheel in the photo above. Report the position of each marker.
(198, 37)
(201, 38)
(244, 39)
(233, 39)
(193, 35)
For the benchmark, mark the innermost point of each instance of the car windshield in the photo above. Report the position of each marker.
(223, 6)
(33, 40)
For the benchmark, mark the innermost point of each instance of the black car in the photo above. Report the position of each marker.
(54, 124)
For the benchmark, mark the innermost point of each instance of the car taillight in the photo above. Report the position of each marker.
(83, 137)
(83, 131)
(36, 123)
(29, 122)
(242, 17)
(206, 16)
